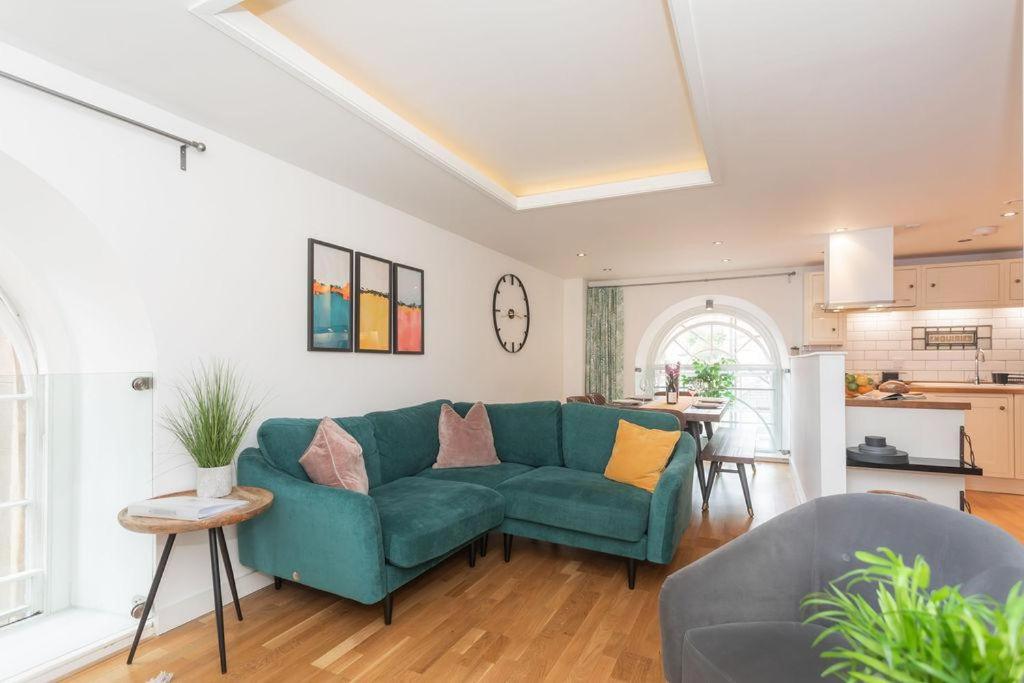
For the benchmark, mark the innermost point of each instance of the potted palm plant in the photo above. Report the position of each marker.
(917, 635)
(213, 415)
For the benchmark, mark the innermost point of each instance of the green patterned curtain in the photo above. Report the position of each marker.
(604, 341)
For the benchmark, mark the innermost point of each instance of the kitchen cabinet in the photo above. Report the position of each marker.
(1014, 286)
(1018, 435)
(990, 424)
(821, 327)
(905, 286)
(952, 285)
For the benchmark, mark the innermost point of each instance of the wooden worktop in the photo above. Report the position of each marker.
(924, 404)
(966, 388)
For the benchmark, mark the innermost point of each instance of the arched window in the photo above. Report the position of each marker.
(21, 519)
(727, 333)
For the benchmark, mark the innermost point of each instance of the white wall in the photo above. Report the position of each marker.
(818, 445)
(216, 259)
(574, 337)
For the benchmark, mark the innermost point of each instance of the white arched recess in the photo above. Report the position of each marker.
(89, 334)
(679, 311)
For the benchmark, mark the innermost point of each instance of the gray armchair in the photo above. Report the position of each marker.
(734, 615)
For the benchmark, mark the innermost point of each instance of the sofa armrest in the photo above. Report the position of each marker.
(760, 576)
(671, 503)
(330, 537)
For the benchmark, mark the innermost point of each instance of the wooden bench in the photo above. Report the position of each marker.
(735, 445)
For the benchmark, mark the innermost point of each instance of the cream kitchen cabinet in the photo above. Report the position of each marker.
(821, 327)
(905, 286)
(1014, 286)
(962, 285)
(1018, 435)
(990, 424)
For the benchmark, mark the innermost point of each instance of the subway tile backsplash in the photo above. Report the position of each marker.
(878, 341)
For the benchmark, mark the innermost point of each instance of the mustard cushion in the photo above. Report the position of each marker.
(640, 454)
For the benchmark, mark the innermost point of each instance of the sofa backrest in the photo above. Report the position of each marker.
(406, 439)
(588, 432)
(525, 433)
(283, 440)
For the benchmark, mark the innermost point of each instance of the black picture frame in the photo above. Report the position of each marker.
(360, 257)
(395, 267)
(311, 247)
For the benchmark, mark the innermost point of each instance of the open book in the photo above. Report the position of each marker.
(877, 395)
(188, 508)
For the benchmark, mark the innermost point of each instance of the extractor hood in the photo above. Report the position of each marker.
(858, 268)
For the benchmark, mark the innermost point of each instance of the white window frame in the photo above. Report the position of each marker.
(34, 501)
(656, 361)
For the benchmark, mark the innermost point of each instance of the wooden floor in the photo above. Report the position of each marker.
(1002, 509)
(553, 614)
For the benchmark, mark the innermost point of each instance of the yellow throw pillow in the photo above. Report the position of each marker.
(639, 455)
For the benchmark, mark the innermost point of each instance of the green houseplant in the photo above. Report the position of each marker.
(213, 415)
(711, 380)
(917, 635)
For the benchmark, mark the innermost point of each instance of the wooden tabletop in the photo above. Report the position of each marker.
(684, 411)
(258, 499)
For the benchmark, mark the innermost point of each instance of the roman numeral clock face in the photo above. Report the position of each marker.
(511, 313)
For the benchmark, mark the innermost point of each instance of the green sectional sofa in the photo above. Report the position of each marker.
(549, 486)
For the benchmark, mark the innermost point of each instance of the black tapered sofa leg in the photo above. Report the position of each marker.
(483, 545)
(389, 604)
(472, 552)
(277, 583)
(631, 573)
(507, 539)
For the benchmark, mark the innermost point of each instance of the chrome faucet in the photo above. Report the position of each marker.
(979, 358)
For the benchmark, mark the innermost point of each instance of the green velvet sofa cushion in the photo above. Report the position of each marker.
(283, 440)
(575, 539)
(488, 475)
(578, 500)
(527, 433)
(422, 518)
(406, 439)
(588, 432)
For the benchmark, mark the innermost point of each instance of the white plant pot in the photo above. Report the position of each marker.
(214, 482)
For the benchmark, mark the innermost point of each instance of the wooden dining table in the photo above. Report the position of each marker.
(690, 420)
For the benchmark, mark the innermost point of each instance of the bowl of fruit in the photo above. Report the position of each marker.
(858, 384)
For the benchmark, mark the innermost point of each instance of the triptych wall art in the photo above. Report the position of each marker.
(360, 302)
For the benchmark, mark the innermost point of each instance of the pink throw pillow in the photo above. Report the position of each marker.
(465, 442)
(334, 458)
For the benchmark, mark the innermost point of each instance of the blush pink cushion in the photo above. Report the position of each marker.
(334, 458)
(465, 442)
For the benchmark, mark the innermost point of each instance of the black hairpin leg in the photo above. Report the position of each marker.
(218, 608)
(152, 595)
(227, 568)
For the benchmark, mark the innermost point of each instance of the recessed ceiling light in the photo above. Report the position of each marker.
(717, 243)
(966, 239)
(910, 226)
(606, 270)
(581, 254)
(1009, 214)
(840, 229)
(985, 230)
(1013, 201)
(726, 260)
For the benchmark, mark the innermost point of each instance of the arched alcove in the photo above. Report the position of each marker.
(746, 330)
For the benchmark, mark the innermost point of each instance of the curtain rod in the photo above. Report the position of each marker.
(706, 279)
(185, 143)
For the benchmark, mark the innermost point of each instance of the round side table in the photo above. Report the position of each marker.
(258, 501)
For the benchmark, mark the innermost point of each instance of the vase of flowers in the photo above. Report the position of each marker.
(671, 383)
(213, 415)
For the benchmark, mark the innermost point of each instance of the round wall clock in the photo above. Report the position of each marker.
(511, 313)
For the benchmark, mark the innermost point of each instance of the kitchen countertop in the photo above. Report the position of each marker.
(966, 388)
(924, 404)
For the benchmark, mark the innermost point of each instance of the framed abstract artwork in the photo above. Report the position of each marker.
(329, 297)
(373, 304)
(407, 313)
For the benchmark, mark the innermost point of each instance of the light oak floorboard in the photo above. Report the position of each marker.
(553, 613)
